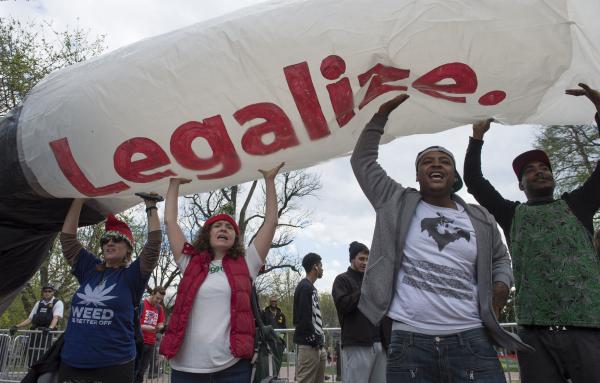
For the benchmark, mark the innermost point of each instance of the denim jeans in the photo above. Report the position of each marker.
(464, 357)
(238, 373)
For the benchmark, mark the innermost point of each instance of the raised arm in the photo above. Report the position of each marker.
(585, 200)
(592, 94)
(264, 236)
(371, 177)
(151, 251)
(72, 218)
(483, 191)
(174, 232)
(68, 236)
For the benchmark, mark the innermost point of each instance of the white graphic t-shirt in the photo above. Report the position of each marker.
(436, 287)
(205, 347)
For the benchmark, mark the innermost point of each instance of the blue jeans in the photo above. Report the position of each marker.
(241, 372)
(464, 357)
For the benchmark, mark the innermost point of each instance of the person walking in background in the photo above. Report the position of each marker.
(99, 344)
(437, 268)
(309, 336)
(152, 321)
(210, 337)
(557, 269)
(363, 357)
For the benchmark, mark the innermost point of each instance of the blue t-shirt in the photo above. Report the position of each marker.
(100, 332)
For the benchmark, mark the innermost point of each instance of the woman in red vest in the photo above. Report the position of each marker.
(210, 337)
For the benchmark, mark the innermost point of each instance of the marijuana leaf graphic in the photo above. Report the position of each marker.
(96, 296)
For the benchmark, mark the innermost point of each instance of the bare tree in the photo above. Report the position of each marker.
(292, 187)
(573, 151)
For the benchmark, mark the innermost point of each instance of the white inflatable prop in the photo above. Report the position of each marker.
(296, 81)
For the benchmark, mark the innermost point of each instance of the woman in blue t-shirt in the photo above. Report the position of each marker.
(99, 341)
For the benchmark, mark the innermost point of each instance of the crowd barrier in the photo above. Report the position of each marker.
(19, 351)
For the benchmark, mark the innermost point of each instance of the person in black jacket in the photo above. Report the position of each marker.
(309, 334)
(363, 358)
(557, 270)
(273, 316)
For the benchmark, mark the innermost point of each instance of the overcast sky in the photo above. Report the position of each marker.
(341, 214)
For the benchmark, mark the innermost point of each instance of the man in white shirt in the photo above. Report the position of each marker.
(44, 317)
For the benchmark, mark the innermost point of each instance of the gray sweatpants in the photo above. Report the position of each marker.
(363, 364)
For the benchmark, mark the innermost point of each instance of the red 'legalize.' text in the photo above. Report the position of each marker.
(380, 79)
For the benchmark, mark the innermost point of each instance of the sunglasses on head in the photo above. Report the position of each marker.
(116, 238)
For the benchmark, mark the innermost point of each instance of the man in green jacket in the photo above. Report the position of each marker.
(557, 271)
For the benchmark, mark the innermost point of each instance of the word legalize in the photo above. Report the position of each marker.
(381, 79)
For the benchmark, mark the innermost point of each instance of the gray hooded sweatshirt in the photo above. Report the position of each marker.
(395, 206)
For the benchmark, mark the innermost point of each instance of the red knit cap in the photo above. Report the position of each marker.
(114, 226)
(223, 217)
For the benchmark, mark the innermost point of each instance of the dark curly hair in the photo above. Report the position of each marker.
(202, 242)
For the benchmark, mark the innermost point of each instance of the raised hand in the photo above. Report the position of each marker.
(592, 94)
(271, 173)
(481, 127)
(389, 106)
(151, 198)
(180, 180)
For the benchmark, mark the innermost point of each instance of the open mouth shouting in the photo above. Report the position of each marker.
(222, 237)
(436, 176)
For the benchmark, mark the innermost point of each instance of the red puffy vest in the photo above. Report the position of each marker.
(241, 336)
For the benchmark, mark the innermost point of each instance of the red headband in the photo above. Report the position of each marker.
(223, 217)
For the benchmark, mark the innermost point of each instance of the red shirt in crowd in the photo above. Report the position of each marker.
(151, 316)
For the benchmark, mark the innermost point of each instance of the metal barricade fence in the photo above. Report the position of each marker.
(17, 353)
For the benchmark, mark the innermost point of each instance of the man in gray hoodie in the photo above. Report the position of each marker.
(437, 268)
